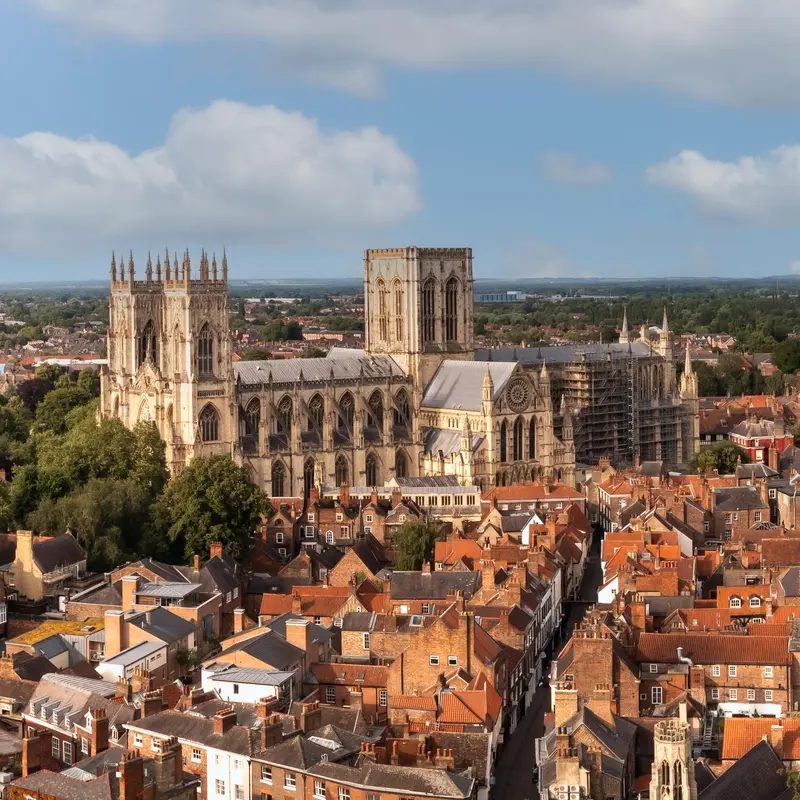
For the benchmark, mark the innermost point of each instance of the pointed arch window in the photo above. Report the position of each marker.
(147, 346)
(347, 414)
(252, 418)
(308, 475)
(372, 469)
(402, 415)
(278, 479)
(176, 350)
(284, 418)
(678, 782)
(342, 470)
(209, 424)
(517, 453)
(375, 410)
(383, 314)
(532, 439)
(397, 299)
(664, 774)
(316, 413)
(429, 311)
(451, 310)
(503, 443)
(400, 465)
(205, 351)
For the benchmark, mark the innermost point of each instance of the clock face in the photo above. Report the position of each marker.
(518, 394)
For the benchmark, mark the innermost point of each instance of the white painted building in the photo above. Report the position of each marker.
(145, 655)
(247, 685)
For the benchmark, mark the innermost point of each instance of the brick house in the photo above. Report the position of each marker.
(361, 686)
(731, 672)
(420, 592)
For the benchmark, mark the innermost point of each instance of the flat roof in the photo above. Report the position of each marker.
(168, 589)
(135, 653)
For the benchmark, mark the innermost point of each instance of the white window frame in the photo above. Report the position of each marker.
(279, 537)
(84, 745)
(433, 661)
(656, 695)
(330, 695)
(731, 670)
(716, 671)
(383, 698)
(736, 602)
(404, 609)
(769, 672)
(452, 661)
(344, 793)
(137, 739)
(654, 668)
(733, 694)
(219, 785)
(290, 781)
(197, 755)
(755, 601)
(365, 641)
(67, 749)
(266, 775)
(715, 693)
(426, 608)
(319, 789)
(767, 695)
(55, 748)
(238, 792)
(751, 695)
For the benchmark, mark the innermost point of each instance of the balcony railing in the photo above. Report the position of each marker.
(60, 574)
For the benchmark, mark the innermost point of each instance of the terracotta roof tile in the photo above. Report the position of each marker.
(415, 702)
(741, 734)
(662, 648)
(350, 674)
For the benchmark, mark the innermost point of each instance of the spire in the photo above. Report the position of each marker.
(158, 268)
(224, 265)
(563, 405)
(487, 379)
(148, 272)
(687, 364)
(466, 435)
(113, 266)
(488, 387)
(624, 336)
(665, 325)
(214, 267)
(543, 374)
(130, 266)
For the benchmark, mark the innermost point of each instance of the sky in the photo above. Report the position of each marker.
(577, 138)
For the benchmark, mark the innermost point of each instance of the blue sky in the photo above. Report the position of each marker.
(601, 139)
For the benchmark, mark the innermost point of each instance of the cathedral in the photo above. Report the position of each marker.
(418, 400)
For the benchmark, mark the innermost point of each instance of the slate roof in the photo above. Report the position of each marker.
(432, 586)
(564, 354)
(409, 780)
(58, 551)
(193, 728)
(755, 429)
(270, 648)
(54, 784)
(757, 775)
(315, 370)
(790, 581)
(459, 384)
(448, 441)
(172, 589)
(738, 498)
(319, 633)
(755, 470)
(133, 654)
(262, 677)
(168, 627)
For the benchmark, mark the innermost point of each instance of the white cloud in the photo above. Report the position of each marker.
(569, 169)
(794, 268)
(760, 190)
(227, 173)
(723, 50)
(534, 258)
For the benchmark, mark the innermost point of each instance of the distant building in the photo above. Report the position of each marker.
(501, 297)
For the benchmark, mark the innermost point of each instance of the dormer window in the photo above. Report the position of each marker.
(755, 601)
(114, 734)
(88, 720)
(736, 602)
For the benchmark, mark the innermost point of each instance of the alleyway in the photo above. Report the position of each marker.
(513, 772)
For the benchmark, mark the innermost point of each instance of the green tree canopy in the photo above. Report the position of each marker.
(49, 372)
(211, 500)
(415, 541)
(786, 356)
(723, 457)
(256, 355)
(51, 414)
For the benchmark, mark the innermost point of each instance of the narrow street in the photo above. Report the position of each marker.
(513, 771)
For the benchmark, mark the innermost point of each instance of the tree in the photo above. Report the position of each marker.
(414, 541)
(211, 500)
(723, 457)
(51, 415)
(256, 355)
(49, 372)
(89, 382)
(33, 391)
(786, 356)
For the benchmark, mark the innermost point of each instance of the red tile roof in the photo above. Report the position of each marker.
(350, 674)
(742, 734)
(415, 702)
(532, 492)
(662, 648)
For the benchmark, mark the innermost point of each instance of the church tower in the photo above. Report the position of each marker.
(418, 307)
(673, 767)
(169, 355)
(690, 398)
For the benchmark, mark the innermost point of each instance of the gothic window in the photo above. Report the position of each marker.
(250, 419)
(516, 454)
(147, 345)
(205, 351)
(451, 310)
(346, 413)
(383, 315)
(375, 410)
(284, 419)
(678, 782)
(532, 439)
(400, 465)
(664, 774)
(503, 443)
(429, 311)
(342, 471)
(176, 350)
(316, 413)
(278, 479)
(308, 475)
(402, 414)
(397, 293)
(209, 424)
(372, 469)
